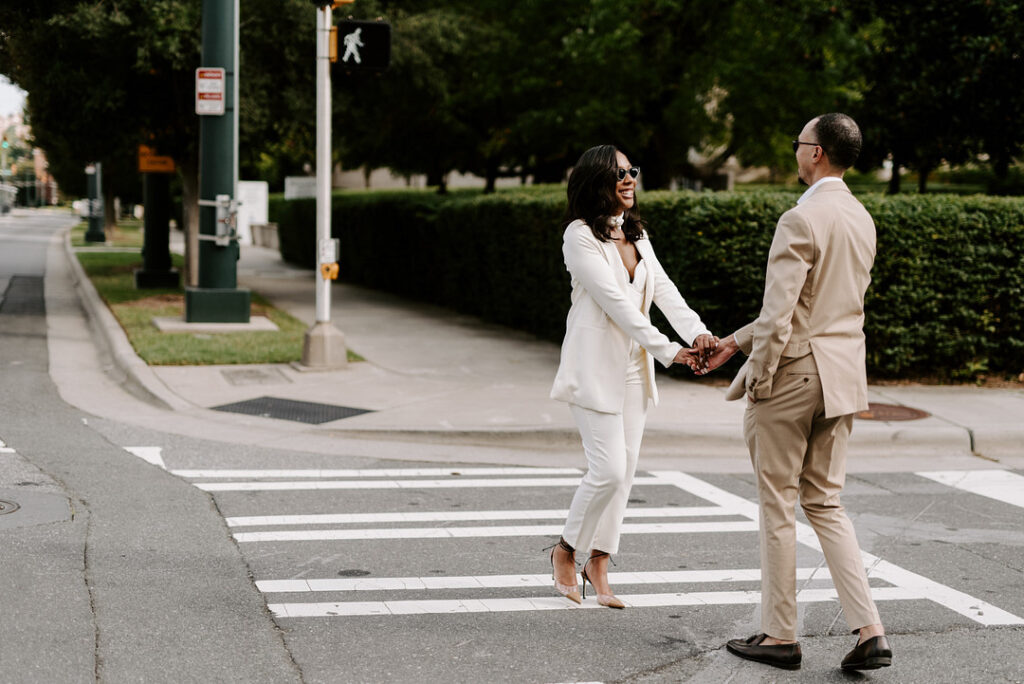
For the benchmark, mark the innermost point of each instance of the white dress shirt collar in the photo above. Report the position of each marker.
(821, 181)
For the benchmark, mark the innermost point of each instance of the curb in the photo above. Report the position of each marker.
(138, 376)
(917, 441)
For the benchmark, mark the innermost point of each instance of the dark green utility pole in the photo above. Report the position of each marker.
(218, 299)
(156, 271)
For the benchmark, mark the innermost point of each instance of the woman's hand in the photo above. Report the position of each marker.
(705, 346)
(723, 353)
(688, 357)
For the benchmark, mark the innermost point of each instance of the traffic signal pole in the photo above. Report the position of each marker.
(218, 299)
(323, 153)
(324, 345)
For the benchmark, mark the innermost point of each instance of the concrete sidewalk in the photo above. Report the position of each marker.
(438, 378)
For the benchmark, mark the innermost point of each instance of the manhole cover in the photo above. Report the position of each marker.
(8, 507)
(354, 573)
(289, 409)
(887, 412)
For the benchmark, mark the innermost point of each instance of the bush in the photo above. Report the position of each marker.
(946, 295)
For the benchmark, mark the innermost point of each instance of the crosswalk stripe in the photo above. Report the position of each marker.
(459, 516)
(904, 584)
(404, 484)
(486, 531)
(1000, 485)
(150, 454)
(965, 604)
(504, 605)
(292, 586)
(313, 473)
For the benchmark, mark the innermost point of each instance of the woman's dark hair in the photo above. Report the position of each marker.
(592, 196)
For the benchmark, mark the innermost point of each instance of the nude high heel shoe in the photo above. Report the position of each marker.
(608, 600)
(569, 591)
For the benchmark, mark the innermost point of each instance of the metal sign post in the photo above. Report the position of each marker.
(324, 345)
(157, 271)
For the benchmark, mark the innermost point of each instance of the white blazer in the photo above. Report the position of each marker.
(601, 321)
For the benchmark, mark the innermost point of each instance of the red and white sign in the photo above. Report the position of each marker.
(209, 91)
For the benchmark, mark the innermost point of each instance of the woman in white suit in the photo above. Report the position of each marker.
(606, 373)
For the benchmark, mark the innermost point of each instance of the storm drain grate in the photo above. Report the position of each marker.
(8, 507)
(289, 409)
(889, 412)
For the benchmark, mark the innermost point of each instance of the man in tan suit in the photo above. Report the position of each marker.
(804, 379)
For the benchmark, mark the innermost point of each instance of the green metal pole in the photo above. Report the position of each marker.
(217, 298)
(156, 271)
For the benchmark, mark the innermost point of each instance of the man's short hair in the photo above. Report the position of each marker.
(840, 136)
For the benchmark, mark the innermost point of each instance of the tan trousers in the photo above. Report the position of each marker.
(797, 451)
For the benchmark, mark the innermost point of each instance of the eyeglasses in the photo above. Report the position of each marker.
(798, 143)
(633, 173)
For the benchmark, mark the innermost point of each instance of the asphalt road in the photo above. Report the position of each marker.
(150, 556)
(384, 571)
(110, 570)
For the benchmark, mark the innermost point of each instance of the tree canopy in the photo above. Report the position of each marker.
(502, 88)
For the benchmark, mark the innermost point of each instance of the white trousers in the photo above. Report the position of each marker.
(611, 443)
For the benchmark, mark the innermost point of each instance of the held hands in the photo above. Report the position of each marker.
(723, 351)
(697, 356)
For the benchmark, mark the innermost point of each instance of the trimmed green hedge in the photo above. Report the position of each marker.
(947, 296)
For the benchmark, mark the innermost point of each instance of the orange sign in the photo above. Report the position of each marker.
(151, 162)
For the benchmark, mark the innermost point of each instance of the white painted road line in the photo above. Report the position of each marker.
(980, 611)
(460, 516)
(1000, 485)
(291, 586)
(504, 605)
(149, 454)
(968, 606)
(488, 531)
(403, 484)
(313, 473)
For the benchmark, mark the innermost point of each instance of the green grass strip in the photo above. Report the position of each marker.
(112, 275)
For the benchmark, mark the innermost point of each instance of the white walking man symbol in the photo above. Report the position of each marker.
(352, 45)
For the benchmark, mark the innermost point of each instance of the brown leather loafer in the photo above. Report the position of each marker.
(786, 656)
(871, 655)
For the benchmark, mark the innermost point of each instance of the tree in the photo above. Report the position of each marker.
(482, 87)
(69, 58)
(937, 83)
(409, 119)
(277, 84)
(782, 62)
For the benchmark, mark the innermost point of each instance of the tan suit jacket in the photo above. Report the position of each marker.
(819, 268)
(602, 320)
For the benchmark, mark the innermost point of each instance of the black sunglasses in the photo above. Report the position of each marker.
(633, 173)
(798, 143)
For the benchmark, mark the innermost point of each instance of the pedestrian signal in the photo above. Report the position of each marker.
(363, 45)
